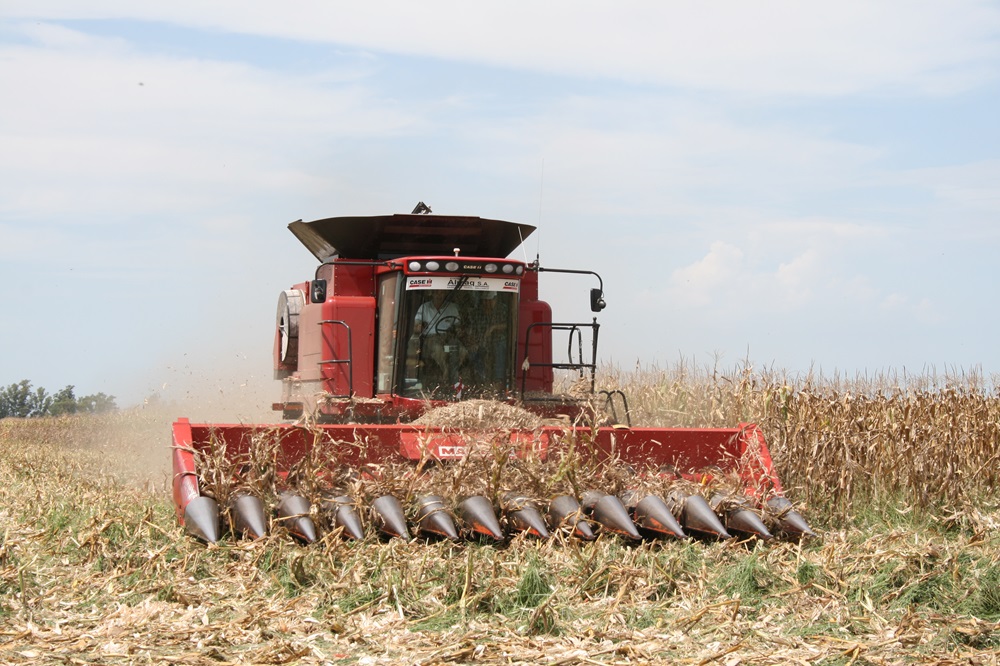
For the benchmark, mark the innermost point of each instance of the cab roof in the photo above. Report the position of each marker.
(382, 237)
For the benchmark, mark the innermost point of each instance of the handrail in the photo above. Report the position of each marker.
(580, 366)
(349, 360)
(610, 402)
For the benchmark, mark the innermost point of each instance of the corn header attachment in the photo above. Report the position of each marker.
(399, 481)
(407, 315)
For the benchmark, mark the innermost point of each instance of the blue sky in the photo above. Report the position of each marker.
(807, 187)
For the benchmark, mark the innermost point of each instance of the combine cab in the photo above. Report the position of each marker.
(412, 315)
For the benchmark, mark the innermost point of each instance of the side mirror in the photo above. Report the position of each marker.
(597, 300)
(317, 293)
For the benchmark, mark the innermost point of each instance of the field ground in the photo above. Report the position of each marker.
(94, 569)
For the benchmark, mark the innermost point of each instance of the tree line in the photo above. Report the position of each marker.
(22, 400)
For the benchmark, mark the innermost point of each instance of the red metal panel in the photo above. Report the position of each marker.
(686, 449)
(185, 481)
(358, 314)
(438, 445)
(539, 347)
(416, 445)
(350, 280)
(689, 451)
(356, 444)
(741, 450)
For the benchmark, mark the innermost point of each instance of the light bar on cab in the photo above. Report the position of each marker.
(462, 266)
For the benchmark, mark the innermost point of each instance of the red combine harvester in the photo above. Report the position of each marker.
(411, 313)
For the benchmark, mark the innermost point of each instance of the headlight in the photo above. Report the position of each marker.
(451, 266)
(491, 268)
(414, 266)
(520, 270)
(433, 265)
(508, 268)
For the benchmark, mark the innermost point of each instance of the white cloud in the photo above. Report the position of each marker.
(19, 242)
(823, 230)
(814, 268)
(785, 278)
(919, 311)
(714, 276)
(974, 186)
(636, 153)
(855, 290)
(775, 46)
(90, 124)
(794, 279)
(51, 36)
(726, 280)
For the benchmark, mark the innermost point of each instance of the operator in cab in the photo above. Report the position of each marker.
(437, 323)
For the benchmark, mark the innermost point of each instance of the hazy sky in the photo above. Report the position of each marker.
(807, 185)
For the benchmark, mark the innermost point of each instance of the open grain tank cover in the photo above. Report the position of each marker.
(394, 236)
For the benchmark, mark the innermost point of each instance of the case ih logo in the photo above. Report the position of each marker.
(419, 283)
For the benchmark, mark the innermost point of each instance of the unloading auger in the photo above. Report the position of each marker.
(407, 315)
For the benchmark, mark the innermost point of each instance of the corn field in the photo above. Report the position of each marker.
(927, 441)
(898, 474)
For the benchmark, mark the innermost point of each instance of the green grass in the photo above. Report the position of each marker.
(747, 578)
(984, 602)
(534, 586)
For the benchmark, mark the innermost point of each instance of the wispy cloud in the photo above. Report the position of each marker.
(771, 47)
(972, 187)
(94, 124)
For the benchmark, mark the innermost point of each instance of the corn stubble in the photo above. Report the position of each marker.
(901, 476)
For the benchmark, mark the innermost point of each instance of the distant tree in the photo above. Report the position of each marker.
(64, 402)
(40, 402)
(98, 403)
(5, 402)
(20, 400)
(14, 399)
(9, 400)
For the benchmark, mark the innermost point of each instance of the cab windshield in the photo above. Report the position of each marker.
(458, 340)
